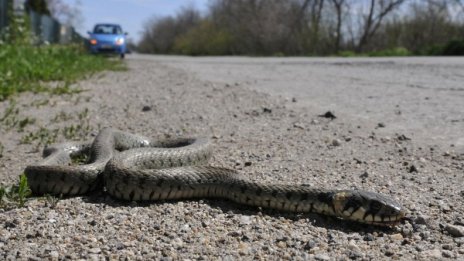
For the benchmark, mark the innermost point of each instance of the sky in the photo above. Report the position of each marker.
(130, 14)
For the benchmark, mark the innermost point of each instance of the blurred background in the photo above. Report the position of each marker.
(256, 27)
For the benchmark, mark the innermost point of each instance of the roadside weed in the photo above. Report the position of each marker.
(15, 195)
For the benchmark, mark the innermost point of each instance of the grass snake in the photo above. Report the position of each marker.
(132, 167)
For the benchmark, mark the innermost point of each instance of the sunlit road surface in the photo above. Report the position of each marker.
(419, 97)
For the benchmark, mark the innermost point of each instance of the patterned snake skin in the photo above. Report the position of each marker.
(134, 168)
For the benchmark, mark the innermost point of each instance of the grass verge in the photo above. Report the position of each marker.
(28, 68)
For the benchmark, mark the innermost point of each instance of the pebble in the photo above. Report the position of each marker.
(245, 220)
(282, 244)
(412, 169)
(177, 242)
(433, 253)
(146, 108)
(421, 220)
(321, 257)
(396, 237)
(455, 231)
(298, 125)
(95, 250)
(364, 175)
(369, 237)
(447, 247)
(336, 142)
(447, 253)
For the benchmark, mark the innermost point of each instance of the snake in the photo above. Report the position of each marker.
(135, 168)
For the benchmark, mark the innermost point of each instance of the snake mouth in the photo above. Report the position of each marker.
(390, 222)
(385, 223)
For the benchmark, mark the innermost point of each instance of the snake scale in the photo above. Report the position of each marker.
(132, 167)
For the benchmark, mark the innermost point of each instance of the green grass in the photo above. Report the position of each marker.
(396, 52)
(15, 195)
(399, 51)
(28, 68)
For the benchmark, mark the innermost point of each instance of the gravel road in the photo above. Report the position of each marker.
(397, 131)
(420, 97)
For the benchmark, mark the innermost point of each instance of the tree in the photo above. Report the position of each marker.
(159, 34)
(68, 14)
(38, 6)
(378, 10)
(338, 6)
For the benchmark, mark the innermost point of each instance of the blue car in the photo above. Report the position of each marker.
(108, 38)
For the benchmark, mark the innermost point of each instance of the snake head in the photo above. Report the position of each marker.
(368, 207)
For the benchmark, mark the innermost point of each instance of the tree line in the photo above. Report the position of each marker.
(310, 27)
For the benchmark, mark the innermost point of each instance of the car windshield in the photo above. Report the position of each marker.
(107, 29)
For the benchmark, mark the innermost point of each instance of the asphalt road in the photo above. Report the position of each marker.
(419, 97)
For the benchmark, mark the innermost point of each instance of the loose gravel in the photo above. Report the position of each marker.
(265, 137)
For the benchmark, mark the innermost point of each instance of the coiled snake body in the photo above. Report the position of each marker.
(134, 168)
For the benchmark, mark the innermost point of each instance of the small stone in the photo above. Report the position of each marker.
(281, 244)
(434, 253)
(309, 245)
(233, 234)
(402, 137)
(421, 220)
(95, 250)
(447, 247)
(352, 246)
(369, 237)
(389, 252)
(447, 253)
(381, 125)
(245, 220)
(385, 139)
(354, 255)
(298, 125)
(243, 249)
(396, 237)
(177, 242)
(267, 110)
(321, 257)
(455, 231)
(9, 224)
(424, 235)
(412, 169)
(146, 108)
(459, 241)
(407, 230)
(54, 254)
(364, 175)
(328, 115)
(336, 142)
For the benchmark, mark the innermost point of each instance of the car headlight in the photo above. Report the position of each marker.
(93, 41)
(119, 41)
